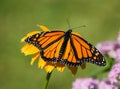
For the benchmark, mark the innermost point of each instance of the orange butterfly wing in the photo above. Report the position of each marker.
(66, 48)
(49, 44)
(85, 52)
(44, 39)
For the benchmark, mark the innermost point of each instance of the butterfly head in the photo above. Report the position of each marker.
(70, 30)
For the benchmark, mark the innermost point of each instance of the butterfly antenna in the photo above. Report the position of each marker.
(69, 26)
(68, 22)
(79, 26)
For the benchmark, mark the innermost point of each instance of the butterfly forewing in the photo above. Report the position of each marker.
(49, 38)
(52, 52)
(86, 52)
(44, 39)
(82, 48)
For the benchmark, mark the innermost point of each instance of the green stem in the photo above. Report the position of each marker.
(47, 80)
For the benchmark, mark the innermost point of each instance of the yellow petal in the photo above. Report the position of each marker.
(49, 67)
(41, 63)
(34, 57)
(29, 34)
(29, 49)
(60, 67)
(44, 28)
(73, 69)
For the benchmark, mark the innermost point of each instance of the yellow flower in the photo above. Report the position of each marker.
(29, 49)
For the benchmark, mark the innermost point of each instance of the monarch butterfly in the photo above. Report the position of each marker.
(65, 47)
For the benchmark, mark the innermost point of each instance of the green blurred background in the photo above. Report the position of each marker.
(18, 17)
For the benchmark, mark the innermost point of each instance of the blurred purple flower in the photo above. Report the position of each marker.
(115, 54)
(114, 74)
(112, 54)
(111, 48)
(106, 84)
(118, 39)
(106, 46)
(118, 55)
(85, 83)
